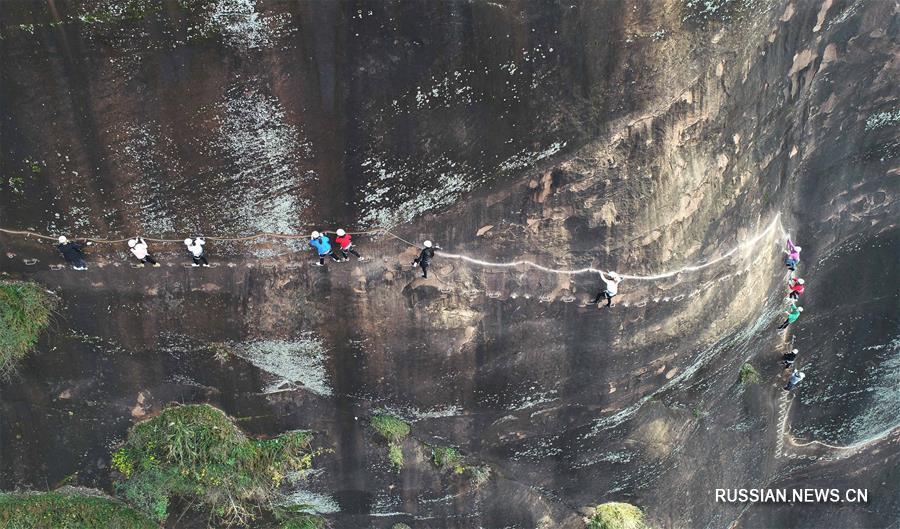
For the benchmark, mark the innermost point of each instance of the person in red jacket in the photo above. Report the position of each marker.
(345, 245)
(796, 286)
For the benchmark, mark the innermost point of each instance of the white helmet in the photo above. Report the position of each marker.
(795, 351)
(340, 232)
(132, 243)
(200, 241)
(427, 244)
(188, 242)
(797, 248)
(62, 239)
(800, 309)
(800, 281)
(314, 235)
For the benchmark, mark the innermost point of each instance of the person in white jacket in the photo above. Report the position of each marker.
(139, 248)
(195, 247)
(612, 288)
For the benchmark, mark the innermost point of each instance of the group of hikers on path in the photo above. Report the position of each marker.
(322, 244)
(73, 253)
(796, 287)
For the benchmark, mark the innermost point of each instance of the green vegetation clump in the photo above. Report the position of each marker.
(749, 374)
(616, 515)
(16, 184)
(197, 452)
(68, 510)
(395, 456)
(400, 526)
(298, 517)
(446, 458)
(305, 522)
(449, 458)
(25, 310)
(393, 429)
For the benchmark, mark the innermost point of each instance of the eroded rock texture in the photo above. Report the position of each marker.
(637, 136)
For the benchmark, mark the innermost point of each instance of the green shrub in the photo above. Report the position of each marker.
(390, 426)
(68, 510)
(394, 429)
(400, 526)
(616, 515)
(25, 310)
(197, 452)
(749, 374)
(447, 457)
(122, 462)
(395, 456)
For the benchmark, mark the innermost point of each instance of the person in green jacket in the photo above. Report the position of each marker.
(792, 314)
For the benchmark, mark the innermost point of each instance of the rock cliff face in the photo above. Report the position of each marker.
(644, 137)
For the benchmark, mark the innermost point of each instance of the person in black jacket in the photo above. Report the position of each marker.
(425, 257)
(72, 252)
(788, 359)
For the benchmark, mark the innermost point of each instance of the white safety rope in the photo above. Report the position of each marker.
(776, 223)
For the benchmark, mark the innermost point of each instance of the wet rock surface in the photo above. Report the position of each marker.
(643, 137)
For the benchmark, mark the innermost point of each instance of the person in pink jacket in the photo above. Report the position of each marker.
(793, 255)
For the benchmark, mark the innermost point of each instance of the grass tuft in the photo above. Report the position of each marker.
(25, 310)
(617, 515)
(309, 521)
(298, 517)
(394, 429)
(447, 458)
(391, 427)
(749, 374)
(68, 510)
(197, 452)
(395, 456)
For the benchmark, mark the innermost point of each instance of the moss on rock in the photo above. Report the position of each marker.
(68, 509)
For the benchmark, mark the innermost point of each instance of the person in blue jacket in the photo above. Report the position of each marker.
(322, 244)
